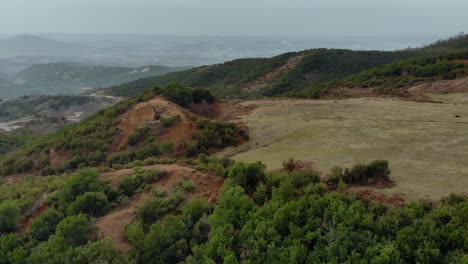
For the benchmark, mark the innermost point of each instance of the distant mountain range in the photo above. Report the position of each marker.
(35, 45)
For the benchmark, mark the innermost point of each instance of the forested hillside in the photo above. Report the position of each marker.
(139, 182)
(288, 72)
(395, 78)
(259, 217)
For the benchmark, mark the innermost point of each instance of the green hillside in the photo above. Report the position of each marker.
(393, 78)
(287, 72)
(229, 79)
(223, 79)
(459, 42)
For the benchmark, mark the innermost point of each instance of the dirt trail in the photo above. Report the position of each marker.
(274, 75)
(144, 113)
(112, 225)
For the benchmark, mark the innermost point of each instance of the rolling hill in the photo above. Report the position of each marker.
(73, 78)
(254, 77)
(155, 123)
(74, 75)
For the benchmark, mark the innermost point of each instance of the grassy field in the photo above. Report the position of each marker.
(426, 143)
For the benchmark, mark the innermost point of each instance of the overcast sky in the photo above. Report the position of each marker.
(235, 17)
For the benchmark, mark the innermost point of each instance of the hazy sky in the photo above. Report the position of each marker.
(235, 17)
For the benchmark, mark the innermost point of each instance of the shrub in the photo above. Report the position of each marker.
(100, 251)
(10, 217)
(248, 175)
(78, 184)
(170, 121)
(146, 151)
(194, 210)
(92, 203)
(44, 226)
(128, 185)
(303, 178)
(74, 230)
(167, 147)
(138, 135)
(189, 186)
(362, 173)
(290, 165)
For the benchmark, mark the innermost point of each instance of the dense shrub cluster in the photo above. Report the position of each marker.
(128, 185)
(301, 222)
(377, 170)
(260, 217)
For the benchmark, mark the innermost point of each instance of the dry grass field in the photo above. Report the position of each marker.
(426, 143)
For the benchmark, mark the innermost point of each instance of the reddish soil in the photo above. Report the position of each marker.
(370, 194)
(112, 225)
(419, 93)
(144, 113)
(270, 77)
(57, 158)
(440, 87)
(36, 210)
(465, 61)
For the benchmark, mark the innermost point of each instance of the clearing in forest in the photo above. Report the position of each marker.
(425, 143)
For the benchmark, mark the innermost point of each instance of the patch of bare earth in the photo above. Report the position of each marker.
(370, 194)
(267, 79)
(418, 93)
(57, 158)
(34, 212)
(144, 114)
(440, 87)
(112, 225)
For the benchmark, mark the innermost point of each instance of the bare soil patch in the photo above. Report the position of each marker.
(34, 212)
(270, 77)
(419, 93)
(144, 113)
(57, 158)
(370, 194)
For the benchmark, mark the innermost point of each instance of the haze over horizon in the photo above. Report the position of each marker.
(239, 18)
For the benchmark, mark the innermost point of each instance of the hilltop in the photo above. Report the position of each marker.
(155, 123)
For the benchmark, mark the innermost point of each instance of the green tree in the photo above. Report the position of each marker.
(248, 175)
(10, 217)
(44, 225)
(92, 203)
(74, 230)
